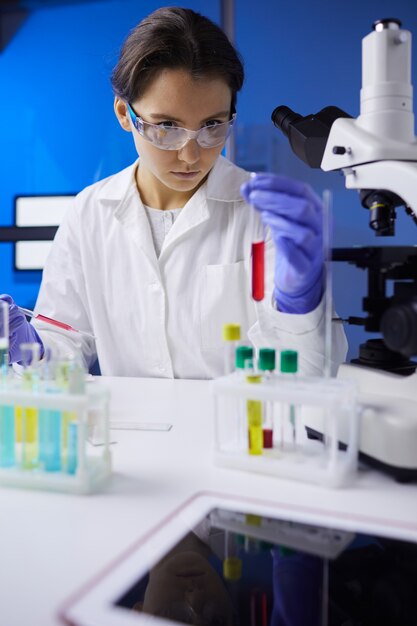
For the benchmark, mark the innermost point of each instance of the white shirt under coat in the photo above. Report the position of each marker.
(163, 317)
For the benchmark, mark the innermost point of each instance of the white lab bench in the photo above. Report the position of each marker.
(51, 544)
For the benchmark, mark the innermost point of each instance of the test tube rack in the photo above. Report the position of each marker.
(46, 439)
(330, 402)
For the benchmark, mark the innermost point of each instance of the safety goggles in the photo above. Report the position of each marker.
(175, 138)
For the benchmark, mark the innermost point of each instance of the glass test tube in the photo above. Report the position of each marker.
(289, 365)
(76, 386)
(50, 421)
(231, 337)
(30, 449)
(7, 424)
(232, 564)
(69, 419)
(328, 306)
(258, 270)
(266, 364)
(227, 430)
(254, 415)
(258, 264)
(61, 380)
(244, 363)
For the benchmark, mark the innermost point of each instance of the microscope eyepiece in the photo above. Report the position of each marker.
(387, 23)
(283, 116)
(307, 135)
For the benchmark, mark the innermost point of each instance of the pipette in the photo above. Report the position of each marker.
(49, 320)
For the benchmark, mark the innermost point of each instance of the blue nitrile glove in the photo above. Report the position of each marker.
(297, 580)
(20, 331)
(293, 213)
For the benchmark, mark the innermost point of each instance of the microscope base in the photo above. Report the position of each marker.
(388, 422)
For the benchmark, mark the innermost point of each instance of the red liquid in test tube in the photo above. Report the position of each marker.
(258, 270)
(49, 320)
(54, 322)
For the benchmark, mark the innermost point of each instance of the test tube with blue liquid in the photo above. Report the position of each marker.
(50, 420)
(30, 383)
(7, 422)
(76, 386)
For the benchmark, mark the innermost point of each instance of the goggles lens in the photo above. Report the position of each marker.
(175, 138)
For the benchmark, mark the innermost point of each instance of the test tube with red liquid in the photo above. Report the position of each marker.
(258, 270)
(53, 322)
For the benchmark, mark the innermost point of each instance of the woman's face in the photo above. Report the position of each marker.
(186, 588)
(176, 98)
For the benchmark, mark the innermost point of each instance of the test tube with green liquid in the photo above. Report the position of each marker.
(7, 424)
(30, 383)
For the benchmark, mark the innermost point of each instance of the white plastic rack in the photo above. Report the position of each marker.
(289, 403)
(46, 439)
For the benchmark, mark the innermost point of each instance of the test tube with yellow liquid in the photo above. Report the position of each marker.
(243, 366)
(232, 563)
(254, 415)
(29, 416)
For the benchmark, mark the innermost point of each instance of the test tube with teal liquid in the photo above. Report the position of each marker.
(7, 423)
(76, 386)
(30, 383)
(50, 420)
(72, 457)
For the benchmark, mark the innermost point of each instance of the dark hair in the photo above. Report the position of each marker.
(176, 38)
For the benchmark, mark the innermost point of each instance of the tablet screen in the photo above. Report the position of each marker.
(239, 568)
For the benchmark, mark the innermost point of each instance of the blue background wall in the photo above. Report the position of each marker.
(59, 132)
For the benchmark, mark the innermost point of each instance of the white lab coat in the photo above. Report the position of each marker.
(163, 317)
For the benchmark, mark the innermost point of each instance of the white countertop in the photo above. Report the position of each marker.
(51, 544)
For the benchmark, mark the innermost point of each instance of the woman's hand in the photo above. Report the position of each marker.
(294, 215)
(20, 331)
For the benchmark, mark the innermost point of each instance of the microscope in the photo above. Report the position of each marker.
(377, 154)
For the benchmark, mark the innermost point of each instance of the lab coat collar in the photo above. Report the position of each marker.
(121, 194)
(223, 183)
(116, 188)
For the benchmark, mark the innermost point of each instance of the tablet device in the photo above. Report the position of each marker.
(226, 561)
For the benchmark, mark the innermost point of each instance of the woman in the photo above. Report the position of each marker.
(155, 259)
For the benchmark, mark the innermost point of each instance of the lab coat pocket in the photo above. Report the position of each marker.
(224, 300)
